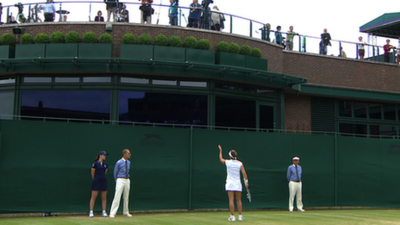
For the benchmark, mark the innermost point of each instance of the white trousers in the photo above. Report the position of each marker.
(122, 187)
(295, 191)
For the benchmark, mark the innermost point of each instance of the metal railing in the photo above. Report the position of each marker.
(233, 24)
(191, 126)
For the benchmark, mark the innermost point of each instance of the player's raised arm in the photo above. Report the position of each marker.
(222, 160)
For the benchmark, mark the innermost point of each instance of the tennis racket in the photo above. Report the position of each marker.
(248, 195)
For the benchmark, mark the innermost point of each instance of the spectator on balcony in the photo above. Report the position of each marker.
(361, 48)
(194, 15)
(216, 18)
(49, 11)
(278, 35)
(342, 53)
(173, 12)
(111, 7)
(146, 11)
(99, 17)
(124, 14)
(37, 9)
(289, 38)
(398, 53)
(11, 20)
(325, 41)
(387, 48)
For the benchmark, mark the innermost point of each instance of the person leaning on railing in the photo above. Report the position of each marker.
(386, 48)
(216, 18)
(111, 7)
(194, 15)
(290, 35)
(99, 18)
(124, 14)
(173, 12)
(49, 11)
(146, 11)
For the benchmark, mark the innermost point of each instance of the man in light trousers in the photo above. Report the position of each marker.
(294, 173)
(123, 184)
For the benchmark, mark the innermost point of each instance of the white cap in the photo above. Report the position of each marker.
(296, 158)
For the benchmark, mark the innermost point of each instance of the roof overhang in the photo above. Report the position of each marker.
(387, 25)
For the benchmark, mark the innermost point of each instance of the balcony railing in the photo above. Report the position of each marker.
(87, 10)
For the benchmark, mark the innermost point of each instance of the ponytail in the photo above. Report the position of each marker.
(97, 158)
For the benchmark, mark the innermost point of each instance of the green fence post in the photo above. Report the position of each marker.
(231, 23)
(190, 167)
(8, 13)
(335, 168)
(60, 13)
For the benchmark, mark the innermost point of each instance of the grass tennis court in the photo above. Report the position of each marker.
(320, 217)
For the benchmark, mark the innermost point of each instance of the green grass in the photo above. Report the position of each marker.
(320, 217)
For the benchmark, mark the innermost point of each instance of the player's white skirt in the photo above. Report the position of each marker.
(233, 185)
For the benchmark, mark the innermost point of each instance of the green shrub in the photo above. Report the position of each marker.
(222, 46)
(128, 39)
(72, 37)
(256, 52)
(89, 37)
(8, 39)
(203, 44)
(234, 48)
(144, 39)
(42, 38)
(27, 39)
(106, 38)
(161, 40)
(245, 50)
(175, 41)
(190, 42)
(57, 37)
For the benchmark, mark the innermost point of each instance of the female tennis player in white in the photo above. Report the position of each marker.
(233, 185)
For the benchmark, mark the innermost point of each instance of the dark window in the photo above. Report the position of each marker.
(375, 111)
(345, 108)
(358, 130)
(389, 112)
(67, 104)
(360, 109)
(230, 112)
(162, 108)
(7, 104)
(266, 117)
(383, 131)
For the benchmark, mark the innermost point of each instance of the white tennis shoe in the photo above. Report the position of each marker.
(240, 218)
(91, 214)
(232, 218)
(128, 215)
(104, 214)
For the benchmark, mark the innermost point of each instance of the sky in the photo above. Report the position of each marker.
(342, 18)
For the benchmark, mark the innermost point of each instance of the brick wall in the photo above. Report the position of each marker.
(297, 112)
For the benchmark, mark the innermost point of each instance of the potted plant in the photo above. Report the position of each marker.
(254, 60)
(190, 42)
(59, 49)
(72, 37)
(175, 41)
(91, 48)
(7, 49)
(32, 47)
(140, 49)
(167, 53)
(202, 54)
(228, 54)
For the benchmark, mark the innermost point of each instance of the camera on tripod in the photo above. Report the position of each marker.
(20, 7)
(205, 3)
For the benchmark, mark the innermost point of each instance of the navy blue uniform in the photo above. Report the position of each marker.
(100, 179)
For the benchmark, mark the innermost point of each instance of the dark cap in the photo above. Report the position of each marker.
(103, 153)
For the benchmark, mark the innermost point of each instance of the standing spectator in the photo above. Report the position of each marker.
(361, 48)
(146, 11)
(289, 38)
(124, 14)
(233, 185)
(194, 15)
(216, 18)
(173, 13)
(123, 184)
(386, 48)
(398, 53)
(99, 171)
(221, 24)
(49, 11)
(99, 17)
(35, 11)
(111, 8)
(325, 41)
(278, 35)
(294, 174)
(267, 32)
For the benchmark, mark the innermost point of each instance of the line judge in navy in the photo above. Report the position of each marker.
(294, 173)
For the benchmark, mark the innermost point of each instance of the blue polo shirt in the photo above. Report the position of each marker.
(195, 13)
(49, 8)
(291, 173)
(100, 169)
(121, 169)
